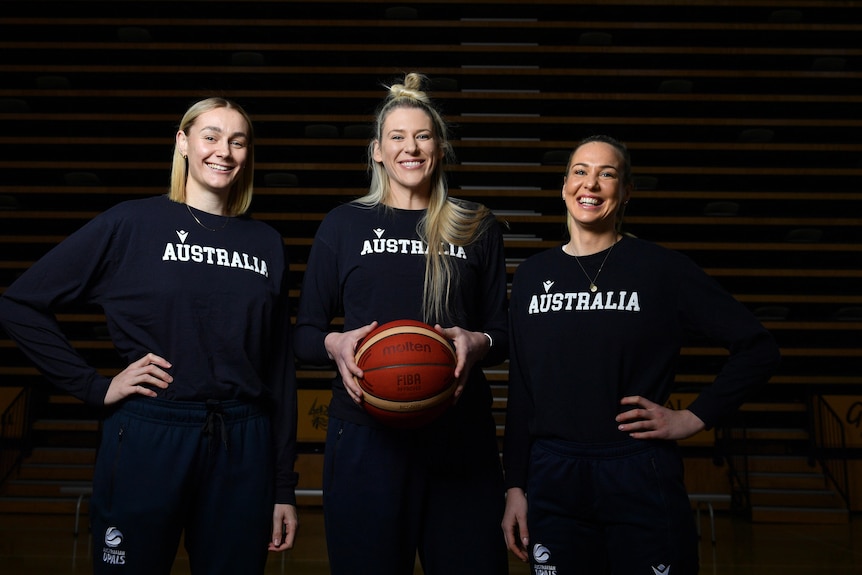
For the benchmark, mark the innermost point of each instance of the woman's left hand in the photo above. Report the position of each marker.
(653, 421)
(470, 347)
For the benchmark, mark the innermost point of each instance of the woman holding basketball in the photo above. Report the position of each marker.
(595, 484)
(436, 490)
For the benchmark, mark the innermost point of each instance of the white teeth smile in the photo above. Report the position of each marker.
(590, 201)
(411, 164)
(219, 168)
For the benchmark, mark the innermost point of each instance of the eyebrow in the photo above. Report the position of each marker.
(402, 130)
(217, 129)
(604, 166)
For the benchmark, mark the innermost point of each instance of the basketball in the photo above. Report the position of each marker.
(408, 373)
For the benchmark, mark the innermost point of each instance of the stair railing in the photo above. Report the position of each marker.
(14, 431)
(829, 445)
(732, 446)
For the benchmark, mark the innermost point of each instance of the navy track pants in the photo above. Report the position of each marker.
(167, 469)
(609, 509)
(389, 494)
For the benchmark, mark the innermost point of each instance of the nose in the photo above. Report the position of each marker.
(223, 150)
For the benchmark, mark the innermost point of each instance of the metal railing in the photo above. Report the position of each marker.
(732, 446)
(14, 430)
(829, 445)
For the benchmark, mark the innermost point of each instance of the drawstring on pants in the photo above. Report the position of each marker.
(215, 412)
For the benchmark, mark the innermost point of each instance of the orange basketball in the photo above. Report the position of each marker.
(408, 373)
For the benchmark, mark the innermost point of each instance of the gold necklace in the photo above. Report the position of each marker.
(226, 220)
(593, 287)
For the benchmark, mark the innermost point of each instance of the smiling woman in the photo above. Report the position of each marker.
(195, 295)
(410, 154)
(440, 261)
(597, 326)
(213, 167)
(597, 186)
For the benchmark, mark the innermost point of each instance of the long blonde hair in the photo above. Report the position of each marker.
(446, 221)
(239, 199)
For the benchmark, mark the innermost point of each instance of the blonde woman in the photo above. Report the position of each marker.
(406, 250)
(198, 436)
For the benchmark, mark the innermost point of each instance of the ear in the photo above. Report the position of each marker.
(627, 193)
(375, 152)
(182, 143)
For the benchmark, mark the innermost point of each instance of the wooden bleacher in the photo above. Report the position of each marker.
(742, 119)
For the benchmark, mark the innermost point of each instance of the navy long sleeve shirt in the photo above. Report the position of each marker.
(368, 263)
(213, 303)
(574, 354)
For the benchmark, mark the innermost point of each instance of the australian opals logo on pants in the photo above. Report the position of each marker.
(111, 553)
(541, 556)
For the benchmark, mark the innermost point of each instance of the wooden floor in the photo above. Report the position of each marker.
(44, 544)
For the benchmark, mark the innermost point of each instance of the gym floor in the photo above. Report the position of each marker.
(45, 544)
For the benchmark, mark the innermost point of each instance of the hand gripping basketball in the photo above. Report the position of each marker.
(408, 373)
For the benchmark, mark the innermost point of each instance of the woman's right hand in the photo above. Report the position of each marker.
(149, 370)
(341, 348)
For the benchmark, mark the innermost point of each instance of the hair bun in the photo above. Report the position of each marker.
(411, 88)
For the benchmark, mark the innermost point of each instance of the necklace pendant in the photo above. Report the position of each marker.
(593, 287)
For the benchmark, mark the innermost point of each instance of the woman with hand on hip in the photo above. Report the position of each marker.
(198, 438)
(595, 482)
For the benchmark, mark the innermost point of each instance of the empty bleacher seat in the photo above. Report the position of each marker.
(443, 84)
(357, 131)
(14, 106)
(595, 38)
(756, 135)
(721, 208)
(785, 16)
(321, 131)
(82, 179)
(804, 235)
(53, 82)
(645, 182)
(849, 313)
(133, 34)
(247, 58)
(772, 312)
(676, 86)
(556, 157)
(280, 180)
(401, 13)
(9, 202)
(829, 64)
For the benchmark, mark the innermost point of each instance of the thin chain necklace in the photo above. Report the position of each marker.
(593, 287)
(226, 220)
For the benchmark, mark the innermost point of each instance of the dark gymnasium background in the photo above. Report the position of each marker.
(742, 116)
